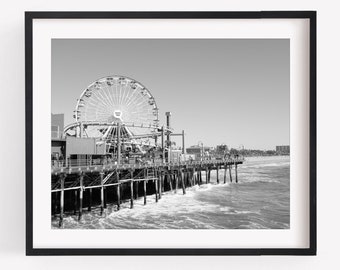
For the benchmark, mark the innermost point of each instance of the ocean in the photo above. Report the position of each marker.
(260, 200)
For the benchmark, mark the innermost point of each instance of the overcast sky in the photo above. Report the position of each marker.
(232, 91)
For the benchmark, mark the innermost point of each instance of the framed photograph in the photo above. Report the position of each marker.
(171, 133)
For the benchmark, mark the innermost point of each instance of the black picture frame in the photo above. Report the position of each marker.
(30, 16)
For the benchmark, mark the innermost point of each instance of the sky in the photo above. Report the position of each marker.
(231, 91)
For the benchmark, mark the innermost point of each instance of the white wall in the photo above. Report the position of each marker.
(12, 160)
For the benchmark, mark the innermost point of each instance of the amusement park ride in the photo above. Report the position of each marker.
(121, 114)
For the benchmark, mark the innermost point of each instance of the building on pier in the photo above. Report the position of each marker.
(57, 126)
(199, 151)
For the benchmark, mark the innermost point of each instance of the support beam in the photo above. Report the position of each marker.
(89, 208)
(118, 144)
(170, 180)
(137, 189)
(184, 177)
(217, 176)
(54, 204)
(225, 174)
(163, 145)
(118, 191)
(176, 181)
(236, 173)
(193, 176)
(156, 184)
(160, 184)
(168, 126)
(101, 193)
(187, 178)
(181, 175)
(156, 189)
(131, 194)
(75, 201)
(81, 191)
(105, 198)
(62, 186)
(131, 190)
(144, 186)
(164, 176)
(206, 176)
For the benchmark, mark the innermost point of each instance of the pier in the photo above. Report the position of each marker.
(81, 188)
(117, 151)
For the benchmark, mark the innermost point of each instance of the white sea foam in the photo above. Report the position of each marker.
(170, 207)
(263, 165)
(258, 180)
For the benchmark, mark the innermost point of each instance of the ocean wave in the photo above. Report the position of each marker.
(248, 178)
(152, 215)
(264, 165)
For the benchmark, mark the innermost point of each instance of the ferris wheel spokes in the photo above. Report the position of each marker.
(112, 100)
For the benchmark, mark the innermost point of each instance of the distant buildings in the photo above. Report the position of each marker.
(220, 151)
(283, 150)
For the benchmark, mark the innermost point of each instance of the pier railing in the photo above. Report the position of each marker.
(96, 165)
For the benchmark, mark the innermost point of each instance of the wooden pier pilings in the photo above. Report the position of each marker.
(88, 187)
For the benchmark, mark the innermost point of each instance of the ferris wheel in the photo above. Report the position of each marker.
(112, 101)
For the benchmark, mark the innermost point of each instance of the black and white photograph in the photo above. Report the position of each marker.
(170, 133)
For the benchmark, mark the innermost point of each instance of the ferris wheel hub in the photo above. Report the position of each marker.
(118, 114)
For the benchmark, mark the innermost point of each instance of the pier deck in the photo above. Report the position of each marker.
(109, 167)
(97, 185)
